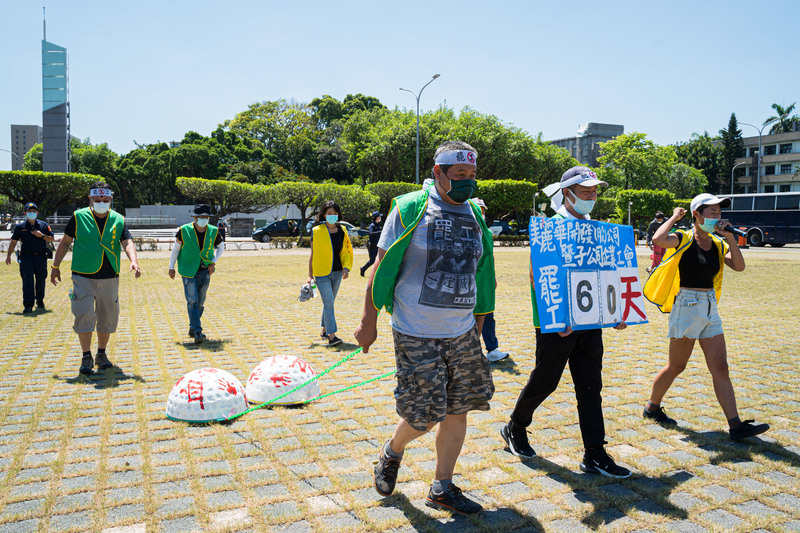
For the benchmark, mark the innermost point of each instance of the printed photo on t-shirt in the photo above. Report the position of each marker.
(454, 248)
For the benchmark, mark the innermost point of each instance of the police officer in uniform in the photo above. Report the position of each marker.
(34, 234)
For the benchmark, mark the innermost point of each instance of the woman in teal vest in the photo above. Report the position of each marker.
(330, 262)
(198, 246)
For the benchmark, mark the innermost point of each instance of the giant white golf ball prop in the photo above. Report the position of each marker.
(279, 374)
(206, 395)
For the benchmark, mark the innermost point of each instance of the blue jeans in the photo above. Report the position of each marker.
(489, 338)
(195, 290)
(328, 287)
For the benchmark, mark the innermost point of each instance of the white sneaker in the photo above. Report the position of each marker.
(496, 355)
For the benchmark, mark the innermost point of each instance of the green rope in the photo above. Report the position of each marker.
(321, 396)
(259, 406)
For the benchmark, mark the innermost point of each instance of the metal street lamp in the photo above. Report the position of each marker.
(758, 174)
(417, 97)
(12, 153)
(734, 168)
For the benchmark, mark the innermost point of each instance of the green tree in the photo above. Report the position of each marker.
(225, 196)
(704, 153)
(732, 147)
(302, 194)
(632, 161)
(33, 158)
(48, 190)
(387, 190)
(685, 181)
(507, 199)
(784, 124)
(355, 202)
(381, 146)
(645, 203)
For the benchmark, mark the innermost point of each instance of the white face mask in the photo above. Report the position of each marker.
(101, 207)
(202, 222)
(582, 207)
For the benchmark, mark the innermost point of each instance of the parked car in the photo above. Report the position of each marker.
(352, 230)
(287, 227)
(500, 227)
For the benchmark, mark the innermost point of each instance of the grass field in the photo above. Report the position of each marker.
(88, 454)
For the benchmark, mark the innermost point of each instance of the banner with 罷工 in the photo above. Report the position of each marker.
(585, 274)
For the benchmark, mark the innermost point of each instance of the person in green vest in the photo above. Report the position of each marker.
(98, 235)
(435, 275)
(198, 246)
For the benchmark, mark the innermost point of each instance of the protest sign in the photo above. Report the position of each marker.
(585, 274)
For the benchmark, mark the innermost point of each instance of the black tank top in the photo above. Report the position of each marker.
(698, 267)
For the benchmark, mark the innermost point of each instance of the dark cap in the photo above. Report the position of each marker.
(202, 210)
(376, 214)
(31, 205)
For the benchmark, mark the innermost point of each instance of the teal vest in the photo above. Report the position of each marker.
(191, 254)
(89, 245)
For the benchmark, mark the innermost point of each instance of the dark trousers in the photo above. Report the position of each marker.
(489, 337)
(33, 270)
(583, 350)
(373, 253)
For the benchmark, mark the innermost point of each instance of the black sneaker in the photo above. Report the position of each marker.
(452, 499)
(335, 341)
(748, 429)
(385, 473)
(87, 364)
(102, 361)
(40, 305)
(27, 310)
(191, 332)
(659, 417)
(597, 461)
(517, 440)
(199, 337)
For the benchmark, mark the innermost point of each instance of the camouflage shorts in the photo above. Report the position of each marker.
(437, 377)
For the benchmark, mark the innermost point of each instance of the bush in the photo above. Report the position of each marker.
(680, 202)
(512, 240)
(645, 204)
(386, 190)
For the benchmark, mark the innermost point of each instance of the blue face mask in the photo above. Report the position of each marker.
(331, 219)
(31, 216)
(582, 207)
(709, 225)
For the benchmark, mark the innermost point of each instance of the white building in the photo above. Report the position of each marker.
(780, 163)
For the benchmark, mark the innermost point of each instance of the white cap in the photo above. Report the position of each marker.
(709, 199)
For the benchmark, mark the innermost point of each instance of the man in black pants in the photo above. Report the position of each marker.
(34, 234)
(375, 229)
(583, 350)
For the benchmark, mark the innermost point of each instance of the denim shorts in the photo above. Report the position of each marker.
(694, 315)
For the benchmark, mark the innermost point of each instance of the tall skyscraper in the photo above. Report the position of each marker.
(55, 107)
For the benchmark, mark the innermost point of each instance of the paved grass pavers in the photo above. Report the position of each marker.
(98, 454)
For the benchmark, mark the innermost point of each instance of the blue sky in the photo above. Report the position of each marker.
(150, 71)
